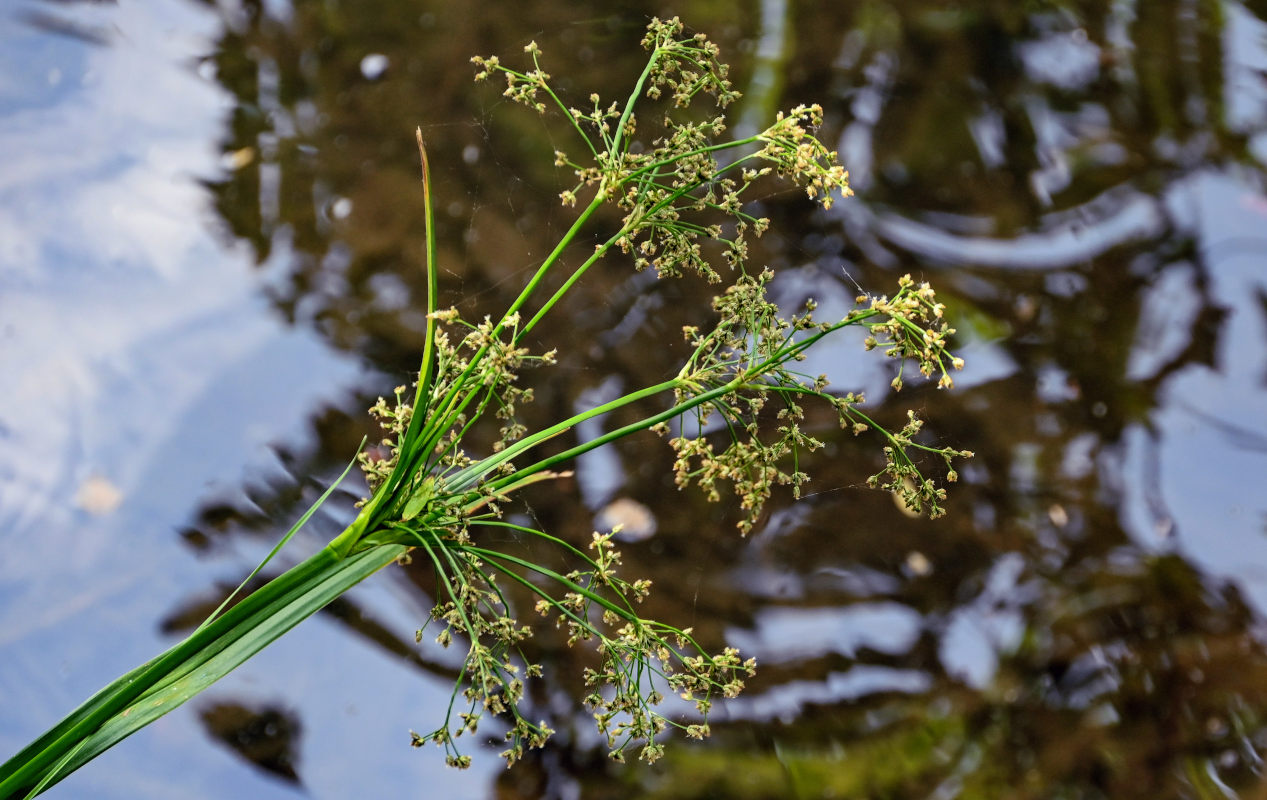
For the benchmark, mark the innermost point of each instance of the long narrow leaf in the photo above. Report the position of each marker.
(277, 548)
(209, 654)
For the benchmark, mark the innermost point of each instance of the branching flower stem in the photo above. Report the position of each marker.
(732, 371)
(632, 224)
(432, 492)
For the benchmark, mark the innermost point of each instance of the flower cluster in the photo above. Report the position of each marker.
(903, 478)
(640, 659)
(915, 328)
(746, 361)
(522, 87)
(912, 328)
(691, 65)
(378, 462)
(740, 366)
(489, 358)
(676, 193)
(794, 150)
(752, 467)
(479, 612)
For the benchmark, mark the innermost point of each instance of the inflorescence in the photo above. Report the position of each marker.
(682, 188)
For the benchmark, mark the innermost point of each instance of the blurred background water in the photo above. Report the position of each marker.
(210, 238)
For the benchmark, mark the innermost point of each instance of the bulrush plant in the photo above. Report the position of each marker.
(732, 415)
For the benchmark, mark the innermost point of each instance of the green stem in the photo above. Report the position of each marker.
(428, 353)
(469, 476)
(598, 253)
(712, 148)
(602, 249)
(493, 556)
(589, 562)
(439, 421)
(617, 141)
(567, 114)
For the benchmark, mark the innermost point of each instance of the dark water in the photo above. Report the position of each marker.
(210, 237)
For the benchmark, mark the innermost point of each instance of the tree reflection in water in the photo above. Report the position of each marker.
(1078, 177)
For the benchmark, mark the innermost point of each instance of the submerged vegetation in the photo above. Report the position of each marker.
(732, 416)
